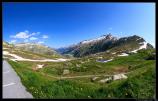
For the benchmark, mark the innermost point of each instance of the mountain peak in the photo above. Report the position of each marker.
(106, 36)
(109, 36)
(106, 42)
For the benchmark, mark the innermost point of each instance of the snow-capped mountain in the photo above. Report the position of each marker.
(104, 37)
(87, 47)
(104, 43)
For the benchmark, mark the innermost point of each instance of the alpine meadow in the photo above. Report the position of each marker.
(79, 50)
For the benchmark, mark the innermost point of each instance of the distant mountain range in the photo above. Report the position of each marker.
(36, 48)
(32, 47)
(88, 47)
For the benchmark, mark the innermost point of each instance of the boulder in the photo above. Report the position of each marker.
(40, 66)
(105, 80)
(119, 76)
(66, 71)
(94, 78)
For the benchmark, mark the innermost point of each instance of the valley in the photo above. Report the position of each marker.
(105, 67)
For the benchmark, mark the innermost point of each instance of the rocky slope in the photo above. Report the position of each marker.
(104, 43)
(31, 50)
(36, 48)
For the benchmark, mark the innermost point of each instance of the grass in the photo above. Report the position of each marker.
(139, 84)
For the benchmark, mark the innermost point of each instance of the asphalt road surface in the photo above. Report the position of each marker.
(12, 86)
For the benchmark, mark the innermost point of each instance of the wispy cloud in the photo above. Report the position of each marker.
(45, 36)
(33, 38)
(35, 33)
(24, 35)
(27, 36)
(21, 35)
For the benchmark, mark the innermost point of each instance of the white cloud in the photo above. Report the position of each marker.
(12, 41)
(44, 36)
(27, 36)
(40, 42)
(22, 35)
(33, 38)
(35, 33)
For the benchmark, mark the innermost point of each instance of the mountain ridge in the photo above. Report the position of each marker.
(87, 47)
(103, 43)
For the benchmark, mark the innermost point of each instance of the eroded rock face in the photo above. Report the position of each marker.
(66, 71)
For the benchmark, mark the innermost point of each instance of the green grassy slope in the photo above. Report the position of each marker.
(139, 84)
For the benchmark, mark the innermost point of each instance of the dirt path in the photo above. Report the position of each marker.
(73, 77)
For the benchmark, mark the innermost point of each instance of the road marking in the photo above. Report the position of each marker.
(6, 72)
(9, 84)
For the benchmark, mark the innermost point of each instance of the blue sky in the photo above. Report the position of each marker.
(62, 24)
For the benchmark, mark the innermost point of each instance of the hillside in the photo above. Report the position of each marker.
(36, 48)
(31, 50)
(104, 43)
(86, 77)
(124, 69)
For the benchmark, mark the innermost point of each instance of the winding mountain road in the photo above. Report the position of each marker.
(12, 86)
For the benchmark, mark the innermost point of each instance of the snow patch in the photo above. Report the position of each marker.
(141, 43)
(62, 59)
(138, 39)
(13, 55)
(123, 54)
(18, 58)
(104, 60)
(5, 53)
(93, 40)
(134, 51)
(144, 46)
